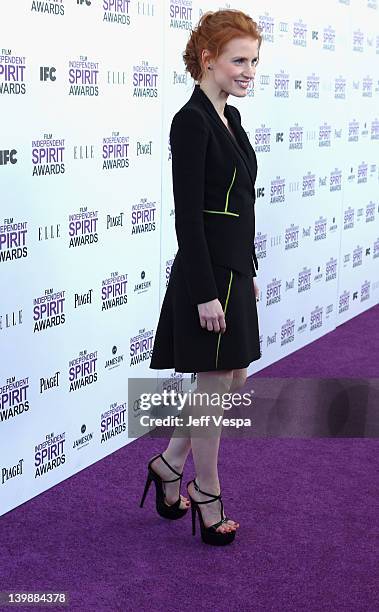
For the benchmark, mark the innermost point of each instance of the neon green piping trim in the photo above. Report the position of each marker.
(221, 212)
(231, 185)
(225, 307)
(225, 211)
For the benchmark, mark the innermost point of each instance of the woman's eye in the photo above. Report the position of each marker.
(253, 62)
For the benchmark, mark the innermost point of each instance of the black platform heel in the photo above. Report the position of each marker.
(209, 535)
(170, 512)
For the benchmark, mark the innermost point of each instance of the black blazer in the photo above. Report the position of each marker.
(213, 180)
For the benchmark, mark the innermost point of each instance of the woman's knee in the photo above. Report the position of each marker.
(219, 380)
(239, 379)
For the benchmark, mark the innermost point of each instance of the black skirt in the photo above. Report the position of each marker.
(180, 341)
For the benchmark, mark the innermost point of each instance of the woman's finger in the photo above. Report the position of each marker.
(216, 326)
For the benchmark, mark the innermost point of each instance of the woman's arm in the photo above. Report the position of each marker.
(188, 139)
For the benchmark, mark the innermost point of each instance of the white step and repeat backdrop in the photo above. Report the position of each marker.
(87, 93)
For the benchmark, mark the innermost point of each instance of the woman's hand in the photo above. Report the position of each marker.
(256, 289)
(212, 316)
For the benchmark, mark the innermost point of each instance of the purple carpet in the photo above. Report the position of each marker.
(308, 509)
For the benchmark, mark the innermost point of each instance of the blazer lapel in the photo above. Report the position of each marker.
(242, 147)
(245, 149)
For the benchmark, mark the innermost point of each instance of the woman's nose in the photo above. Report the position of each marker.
(250, 74)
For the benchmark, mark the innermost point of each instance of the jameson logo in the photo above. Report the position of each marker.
(53, 7)
(12, 73)
(13, 240)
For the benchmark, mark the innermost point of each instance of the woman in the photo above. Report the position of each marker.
(208, 322)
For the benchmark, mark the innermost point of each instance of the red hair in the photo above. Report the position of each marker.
(213, 32)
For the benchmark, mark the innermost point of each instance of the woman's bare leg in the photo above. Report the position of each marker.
(205, 449)
(239, 379)
(179, 446)
(175, 454)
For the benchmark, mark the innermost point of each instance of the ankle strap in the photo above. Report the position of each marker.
(180, 476)
(197, 488)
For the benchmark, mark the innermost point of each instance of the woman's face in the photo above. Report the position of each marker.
(235, 68)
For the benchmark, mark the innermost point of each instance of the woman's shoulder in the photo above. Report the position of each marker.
(190, 111)
(189, 117)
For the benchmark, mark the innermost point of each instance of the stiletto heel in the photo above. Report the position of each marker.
(193, 511)
(170, 512)
(147, 485)
(209, 535)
